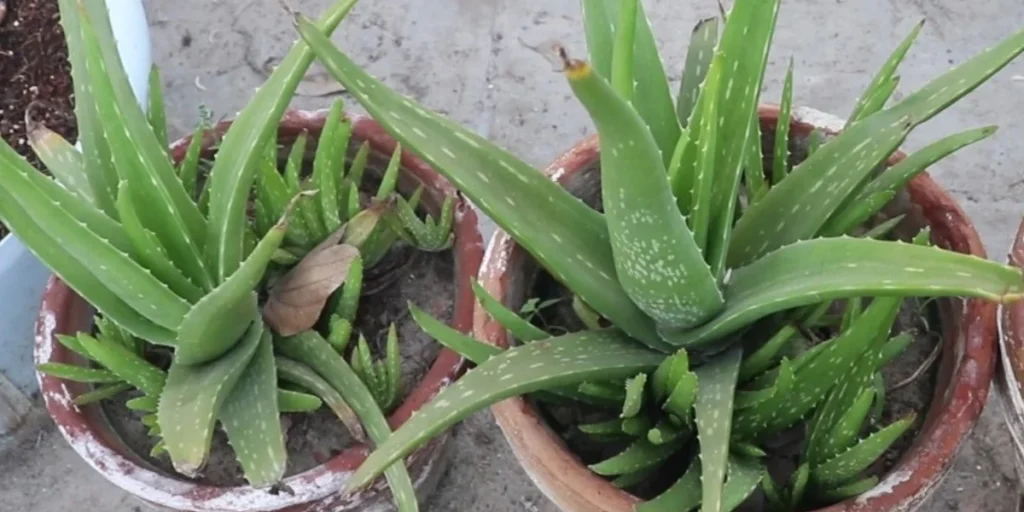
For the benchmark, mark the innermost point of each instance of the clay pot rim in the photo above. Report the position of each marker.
(316, 486)
(968, 358)
(1011, 358)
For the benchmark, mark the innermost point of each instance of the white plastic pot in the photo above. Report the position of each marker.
(22, 276)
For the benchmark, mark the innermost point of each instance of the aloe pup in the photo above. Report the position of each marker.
(696, 244)
(194, 266)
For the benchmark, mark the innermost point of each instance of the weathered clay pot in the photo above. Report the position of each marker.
(968, 355)
(1010, 370)
(89, 433)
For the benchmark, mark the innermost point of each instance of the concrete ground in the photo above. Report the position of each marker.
(465, 58)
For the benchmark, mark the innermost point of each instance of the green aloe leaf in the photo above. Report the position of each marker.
(753, 169)
(844, 222)
(845, 466)
(298, 373)
(147, 249)
(128, 365)
(705, 126)
(813, 271)
(327, 165)
(686, 494)
(307, 213)
(311, 349)
(634, 395)
(623, 49)
(814, 376)
(948, 88)
(235, 168)
(798, 484)
(252, 420)
(78, 373)
(716, 382)
(847, 491)
(137, 155)
(743, 52)
(576, 250)
(781, 160)
(603, 428)
(599, 25)
(782, 386)
(62, 159)
(797, 208)
(847, 427)
(698, 60)
(188, 169)
(146, 403)
(634, 479)
(92, 266)
(683, 496)
(95, 149)
(102, 393)
(642, 79)
(521, 328)
(71, 343)
(155, 110)
(479, 352)
(897, 176)
(767, 354)
(665, 432)
(644, 223)
(216, 322)
(540, 365)
(882, 85)
(639, 456)
(192, 399)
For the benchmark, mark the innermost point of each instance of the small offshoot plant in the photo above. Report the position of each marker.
(698, 250)
(225, 290)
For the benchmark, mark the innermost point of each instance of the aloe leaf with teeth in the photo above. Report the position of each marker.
(551, 363)
(301, 374)
(518, 326)
(781, 154)
(251, 418)
(311, 349)
(843, 468)
(459, 155)
(644, 224)
(716, 385)
(235, 168)
(884, 82)
(703, 40)
(192, 399)
(808, 272)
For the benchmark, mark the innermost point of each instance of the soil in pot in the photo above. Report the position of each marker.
(34, 70)
(426, 279)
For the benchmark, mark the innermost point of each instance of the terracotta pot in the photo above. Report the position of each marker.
(89, 433)
(969, 334)
(1010, 373)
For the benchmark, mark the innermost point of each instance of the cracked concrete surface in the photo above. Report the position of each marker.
(466, 58)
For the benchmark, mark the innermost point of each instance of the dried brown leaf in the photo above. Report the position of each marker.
(297, 299)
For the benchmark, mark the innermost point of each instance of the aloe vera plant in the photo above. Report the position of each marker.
(181, 272)
(697, 242)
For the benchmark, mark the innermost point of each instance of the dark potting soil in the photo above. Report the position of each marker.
(33, 68)
(426, 279)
